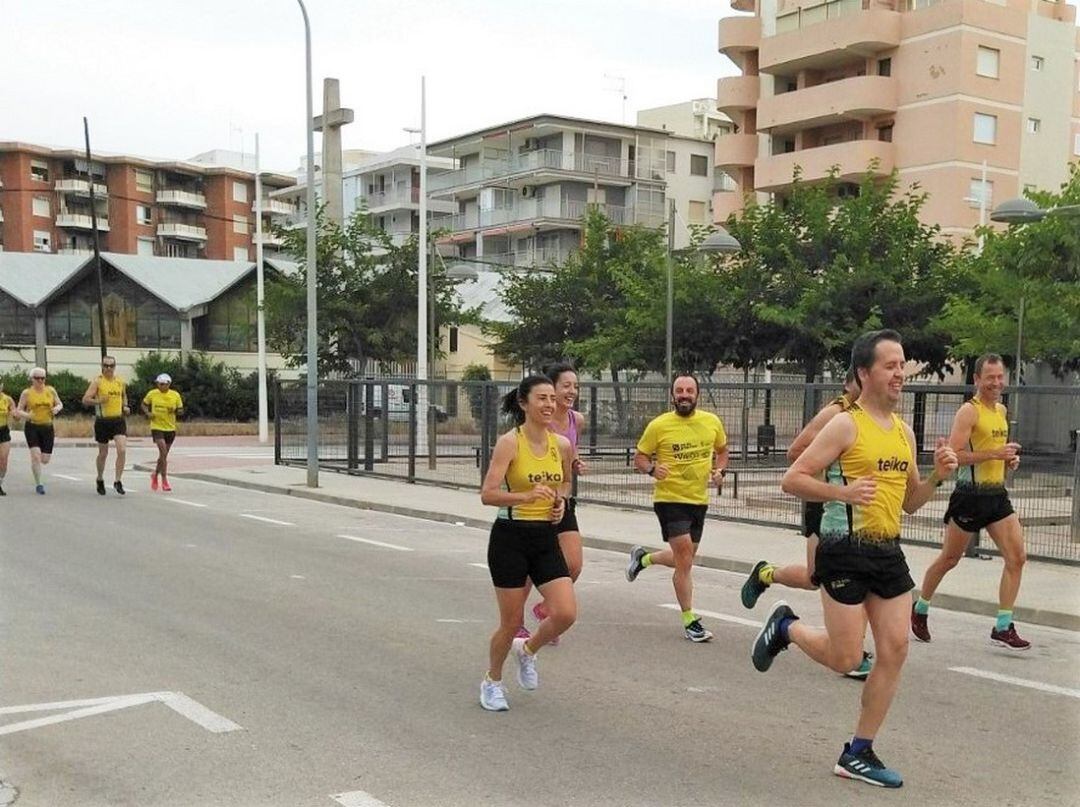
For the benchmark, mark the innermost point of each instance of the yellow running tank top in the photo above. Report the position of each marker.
(884, 454)
(526, 471)
(5, 410)
(112, 393)
(991, 431)
(40, 405)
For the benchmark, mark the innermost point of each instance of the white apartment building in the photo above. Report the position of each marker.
(698, 118)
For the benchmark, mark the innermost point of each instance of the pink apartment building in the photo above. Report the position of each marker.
(931, 88)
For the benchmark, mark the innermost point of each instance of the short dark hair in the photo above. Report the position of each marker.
(553, 371)
(511, 403)
(677, 376)
(985, 359)
(862, 352)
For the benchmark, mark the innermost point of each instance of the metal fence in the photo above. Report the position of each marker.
(377, 427)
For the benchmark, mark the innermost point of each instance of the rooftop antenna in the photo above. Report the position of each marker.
(621, 88)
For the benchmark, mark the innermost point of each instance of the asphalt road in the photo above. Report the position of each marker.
(323, 666)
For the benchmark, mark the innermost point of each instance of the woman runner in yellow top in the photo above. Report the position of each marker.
(162, 405)
(38, 405)
(528, 480)
(7, 409)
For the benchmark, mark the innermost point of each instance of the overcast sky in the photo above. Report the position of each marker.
(172, 78)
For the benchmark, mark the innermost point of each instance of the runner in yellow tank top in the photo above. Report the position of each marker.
(980, 436)
(108, 395)
(38, 405)
(7, 409)
(528, 480)
(860, 565)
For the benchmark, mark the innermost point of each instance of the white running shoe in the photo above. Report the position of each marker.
(526, 673)
(492, 696)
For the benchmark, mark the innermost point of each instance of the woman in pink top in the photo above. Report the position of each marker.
(569, 423)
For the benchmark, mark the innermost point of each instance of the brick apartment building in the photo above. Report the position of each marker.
(143, 207)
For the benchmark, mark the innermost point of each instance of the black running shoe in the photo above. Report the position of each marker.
(2, 491)
(769, 643)
(696, 633)
(118, 486)
(866, 767)
(753, 587)
(101, 487)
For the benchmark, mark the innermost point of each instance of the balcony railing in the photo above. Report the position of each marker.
(268, 239)
(533, 161)
(406, 195)
(180, 198)
(276, 207)
(75, 251)
(531, 209)
(183, 232)
(81, 187)
(540, 256)
(81, 221)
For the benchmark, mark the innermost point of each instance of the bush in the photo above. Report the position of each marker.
(210, 389)
(476, 372)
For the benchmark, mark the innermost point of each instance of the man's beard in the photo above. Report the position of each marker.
(685, 408)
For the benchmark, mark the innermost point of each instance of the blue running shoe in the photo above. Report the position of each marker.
(866, 767)
(769, 643)
(753, 587)
(40, 489)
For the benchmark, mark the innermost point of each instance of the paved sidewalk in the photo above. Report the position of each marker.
(1050, 594)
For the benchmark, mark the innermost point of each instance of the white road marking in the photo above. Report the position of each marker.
(479, 565)
(376, 543)
(184, 501)
(460, 621)
(297, 577)
(357, 798)
(738, 620)
(1020, 682)
(267, 520)
(68, 478)
(177, 701)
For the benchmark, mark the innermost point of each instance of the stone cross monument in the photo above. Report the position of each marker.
(330, 123)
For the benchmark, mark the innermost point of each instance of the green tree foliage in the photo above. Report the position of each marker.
(210, 388)
(1037, 262)
(366, 298)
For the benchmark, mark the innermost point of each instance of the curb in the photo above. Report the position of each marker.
(950, 602)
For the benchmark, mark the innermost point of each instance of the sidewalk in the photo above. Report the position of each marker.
(1050, 594)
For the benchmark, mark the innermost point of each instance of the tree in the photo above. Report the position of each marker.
(366, 297)
(1039, 263)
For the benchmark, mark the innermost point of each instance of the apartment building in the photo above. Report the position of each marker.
(142, 207)
(521, 189)
(698, 118)
(932, 88)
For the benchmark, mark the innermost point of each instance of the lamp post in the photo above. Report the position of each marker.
(312, 276)
(719, 242)
(260, 305)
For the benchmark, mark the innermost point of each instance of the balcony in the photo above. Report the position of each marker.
(81, 221)
(736, 151)
(530, 163)
(831, 41)
(541, 256)
(268, 239)
(855, 98)
(177, 198)
(725, 203)
(527, 211)
(81, 187)
(852, 158)
(276, 207)
(743, 5)
(75, 251)
(737, 93)
(181, 232)
(738, 35)
(405, 197)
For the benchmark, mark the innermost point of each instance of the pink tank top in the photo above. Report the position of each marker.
(571, 431)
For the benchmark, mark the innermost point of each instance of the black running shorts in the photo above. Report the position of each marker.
(40, 436)
(849, 569)
(105, 429)
(569, 519)
(811, 515)
(5, 434)
(972, 511)
(677, 518)
(158, 434)
(524, 550)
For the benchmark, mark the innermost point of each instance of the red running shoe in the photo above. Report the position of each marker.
(1009, 638)
(918, 626)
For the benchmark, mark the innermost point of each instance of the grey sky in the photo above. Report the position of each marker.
(171, 78)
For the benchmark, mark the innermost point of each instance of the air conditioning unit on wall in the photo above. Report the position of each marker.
(528, 192)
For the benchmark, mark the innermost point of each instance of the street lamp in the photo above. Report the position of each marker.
(312, 277)
(720, 242)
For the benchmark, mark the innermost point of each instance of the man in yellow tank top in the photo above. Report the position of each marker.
(7, 409)
(980, 437)
(685, 451)
(37, 406)
(872, 477)
(108, 395)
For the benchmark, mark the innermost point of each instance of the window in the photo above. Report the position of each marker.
(239, 253)
(671, 162)
(699, 165)
(453, 340)
(240, 225)
(144, 246)
(42, 241)
(1034, 125)
(229, 323)
(1076, 145)
(884, 67)
(985, 130)
(980, 194)
(986, 62)
(16, 322)
(884, 133)
(39, 171)
(41, 206)
(239, 191)
(696, 213)
(144, 181)
(142, 214)
(1037, 63)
